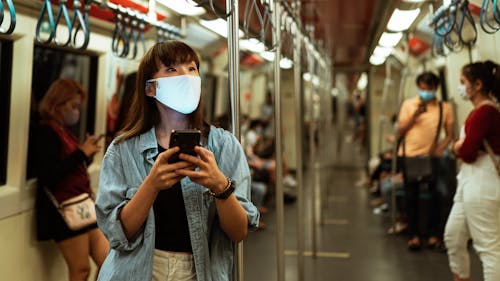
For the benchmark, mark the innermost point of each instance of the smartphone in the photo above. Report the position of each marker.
(422, 107)
(186, 140)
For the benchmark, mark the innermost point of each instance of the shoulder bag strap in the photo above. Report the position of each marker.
(496, 162)
(52, 198)
(438, 128)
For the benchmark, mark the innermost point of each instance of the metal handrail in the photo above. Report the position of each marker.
(78, 25)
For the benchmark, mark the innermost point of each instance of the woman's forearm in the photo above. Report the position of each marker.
(135, 212)
(232, 217)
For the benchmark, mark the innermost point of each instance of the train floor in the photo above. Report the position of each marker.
(352, 243)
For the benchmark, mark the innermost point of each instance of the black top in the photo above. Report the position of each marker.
(172, 231)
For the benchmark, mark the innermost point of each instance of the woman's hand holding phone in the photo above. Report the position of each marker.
(207, 172)
(90, 145)
(163, 174)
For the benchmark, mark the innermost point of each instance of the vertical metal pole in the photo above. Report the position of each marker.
(280, 232)
(321, 136)
(298, 149)
(151, 10)
(383, 105)
(234, 89)
(404, 75)
(312, 152)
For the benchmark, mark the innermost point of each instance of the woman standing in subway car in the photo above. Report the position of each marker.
(172, 221)
(62, 168)
(476, 208)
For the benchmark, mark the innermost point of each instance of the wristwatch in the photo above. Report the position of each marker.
(226, 192)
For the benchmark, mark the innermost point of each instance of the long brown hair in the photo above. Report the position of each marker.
(143, 113)
(59, 92)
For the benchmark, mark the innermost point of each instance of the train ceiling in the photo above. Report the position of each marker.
(344, 28)
(347, 28)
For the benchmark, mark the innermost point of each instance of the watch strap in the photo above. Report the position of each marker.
(226, 192)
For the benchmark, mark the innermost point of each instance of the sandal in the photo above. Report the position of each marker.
(414, 244)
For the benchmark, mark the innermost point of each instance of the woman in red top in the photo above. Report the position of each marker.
(476, 208)
(62, 168)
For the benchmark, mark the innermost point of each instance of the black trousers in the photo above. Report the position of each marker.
(413, 190)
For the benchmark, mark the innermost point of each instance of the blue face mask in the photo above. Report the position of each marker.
(426, 95)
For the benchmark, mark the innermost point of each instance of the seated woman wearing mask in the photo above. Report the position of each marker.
(172, 221)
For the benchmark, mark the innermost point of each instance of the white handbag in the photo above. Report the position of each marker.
(78, 212)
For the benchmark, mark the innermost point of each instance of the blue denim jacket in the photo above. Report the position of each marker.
(124, 168)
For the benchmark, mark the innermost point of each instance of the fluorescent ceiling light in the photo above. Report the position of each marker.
(199, 37)
(335, 92)
(218, 26)
(286, 63)
(183, 7)
(269, 56)
(382, 51)
(402, 19)
(252, 45)
(362, 81)
(307, 76)
(390, 39)
(315, 80)
(311, 78)
(375, 60)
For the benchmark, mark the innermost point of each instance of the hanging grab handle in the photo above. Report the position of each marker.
(63, 11)
(12, 12)
(46, 8)
(80, 24)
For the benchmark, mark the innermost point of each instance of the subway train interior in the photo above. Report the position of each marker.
(312, 87)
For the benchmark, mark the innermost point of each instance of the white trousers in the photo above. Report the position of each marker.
(170, 266)
(475, 214)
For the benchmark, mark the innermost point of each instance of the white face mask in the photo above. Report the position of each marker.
(181, 93)
(462, 91)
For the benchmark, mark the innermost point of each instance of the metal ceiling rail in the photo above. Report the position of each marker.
(128, 33)
(454, 28)
(79, 22)
(294, 25)
(130, 25)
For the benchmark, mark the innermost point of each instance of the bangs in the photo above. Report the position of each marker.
(174, 53)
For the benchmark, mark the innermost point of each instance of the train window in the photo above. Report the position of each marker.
(5, 80)
(50, 64)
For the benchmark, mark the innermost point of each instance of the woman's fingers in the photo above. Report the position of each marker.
(164, 156)
(205, 154)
